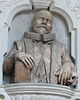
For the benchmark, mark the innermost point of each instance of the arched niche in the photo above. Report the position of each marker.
(15, 26)
(57, 12)
(18, 10)
(20, 21)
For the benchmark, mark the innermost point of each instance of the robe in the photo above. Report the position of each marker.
(48, 54)
(47, 57)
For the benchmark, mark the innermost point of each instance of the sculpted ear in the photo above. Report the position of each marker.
(32, 24)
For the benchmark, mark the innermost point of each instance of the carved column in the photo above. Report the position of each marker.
(78, 55)
(73, 43)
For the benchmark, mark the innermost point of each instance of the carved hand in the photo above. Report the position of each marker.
(26, 59)
(65, 73)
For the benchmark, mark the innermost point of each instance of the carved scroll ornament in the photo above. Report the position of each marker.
(74, 6)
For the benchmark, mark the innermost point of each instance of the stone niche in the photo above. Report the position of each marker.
(21, 22)
(16, 16)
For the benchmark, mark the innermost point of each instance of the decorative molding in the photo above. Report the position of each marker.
(20, 90)
(4, 4)
(74, 6)
(37, 97)
(41, 4)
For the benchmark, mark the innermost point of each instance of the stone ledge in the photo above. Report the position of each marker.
(39, 89)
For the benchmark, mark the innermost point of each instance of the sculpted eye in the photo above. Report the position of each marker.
(40, 19)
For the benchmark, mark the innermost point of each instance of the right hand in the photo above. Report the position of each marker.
(26, 59)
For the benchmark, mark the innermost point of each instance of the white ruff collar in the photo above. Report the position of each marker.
(37, 37)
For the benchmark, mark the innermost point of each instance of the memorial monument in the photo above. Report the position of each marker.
(39, 57)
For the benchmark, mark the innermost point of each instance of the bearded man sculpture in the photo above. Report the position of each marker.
(38, 57)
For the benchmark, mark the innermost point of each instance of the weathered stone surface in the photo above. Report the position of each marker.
(39, 58)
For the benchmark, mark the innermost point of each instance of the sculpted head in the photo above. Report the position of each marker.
(42, 22)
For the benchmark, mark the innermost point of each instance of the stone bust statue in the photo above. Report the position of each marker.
(39, 57)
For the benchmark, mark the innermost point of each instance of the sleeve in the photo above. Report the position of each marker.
(66, 58)
(8, 65)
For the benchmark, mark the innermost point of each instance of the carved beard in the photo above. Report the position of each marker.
(40, 30)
